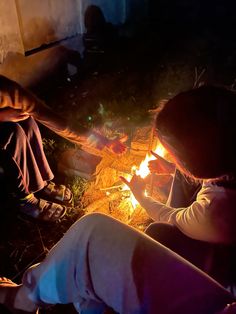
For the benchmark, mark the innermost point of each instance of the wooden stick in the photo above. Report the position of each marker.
(102, 201)
(149, 150)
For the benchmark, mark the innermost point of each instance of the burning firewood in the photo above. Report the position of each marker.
(109, 197)
(106, 193)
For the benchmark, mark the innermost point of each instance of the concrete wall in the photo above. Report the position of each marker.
(31, 70)
(47, 21)
(28, 26)
(10, 37)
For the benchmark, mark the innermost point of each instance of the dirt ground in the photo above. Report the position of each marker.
(118, 86)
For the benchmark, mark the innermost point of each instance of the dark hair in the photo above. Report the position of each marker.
(198, 128)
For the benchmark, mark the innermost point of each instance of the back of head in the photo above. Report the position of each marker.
(198, 128)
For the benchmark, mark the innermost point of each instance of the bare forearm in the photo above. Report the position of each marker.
(15, 97)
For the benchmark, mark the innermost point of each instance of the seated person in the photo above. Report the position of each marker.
(102, 263)
(197, 128)
(23, 163)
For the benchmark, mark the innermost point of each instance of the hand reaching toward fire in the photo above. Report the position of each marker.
(116, 145)
(136, 185)
(160, 165)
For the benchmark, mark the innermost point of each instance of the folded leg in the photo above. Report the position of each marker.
(22, 157)
(101, 262)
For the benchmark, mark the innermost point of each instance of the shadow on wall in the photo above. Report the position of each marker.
(100, 36)
(101, 41)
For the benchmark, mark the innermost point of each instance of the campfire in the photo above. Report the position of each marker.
(106, 192)
(143, 171)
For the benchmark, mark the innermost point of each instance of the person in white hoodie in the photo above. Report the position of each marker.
(198, 129)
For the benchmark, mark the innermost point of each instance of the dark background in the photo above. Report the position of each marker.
(180, 44)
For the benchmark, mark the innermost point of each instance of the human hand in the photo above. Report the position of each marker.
(12, 115)
(117, 145)
(136, 185)
(99, 141)
(160, 165)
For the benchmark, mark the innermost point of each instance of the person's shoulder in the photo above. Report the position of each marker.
(214, 191)
(208, 186)
(217, 195)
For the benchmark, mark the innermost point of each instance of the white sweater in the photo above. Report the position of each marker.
(211, 218)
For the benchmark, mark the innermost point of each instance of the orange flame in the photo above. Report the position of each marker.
(143, 170)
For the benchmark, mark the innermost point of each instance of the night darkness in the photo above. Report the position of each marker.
(121, 76)
(204, 29)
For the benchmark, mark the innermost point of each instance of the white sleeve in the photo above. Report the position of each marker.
(195, 221)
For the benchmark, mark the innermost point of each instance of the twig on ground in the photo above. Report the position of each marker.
(198, 76)
(45, 249)
(23, 253)
(27, 266)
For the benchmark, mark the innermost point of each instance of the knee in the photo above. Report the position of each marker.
(10, 127)
(159, 231)
(96, 225)
(31, 123)
(19, 137)
(13, 140)
(10, 130)
(96, 219)
(157, 227)
(30, 127)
